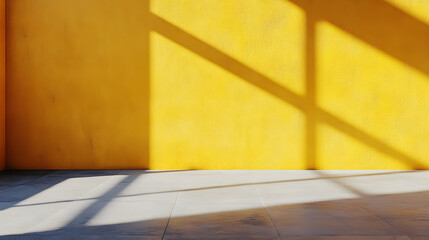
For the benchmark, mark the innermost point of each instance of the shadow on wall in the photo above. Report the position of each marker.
(370, 21)
(377, 23)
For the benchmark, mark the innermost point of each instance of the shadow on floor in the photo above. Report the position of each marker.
(383, 217)
(380, 217)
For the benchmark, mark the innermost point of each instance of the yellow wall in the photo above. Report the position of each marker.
(2, 76)
(205, 84)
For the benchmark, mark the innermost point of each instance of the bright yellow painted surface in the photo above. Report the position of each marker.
(205, 84)
(2, 76)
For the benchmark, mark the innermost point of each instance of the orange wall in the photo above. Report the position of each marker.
(78, 95)
(2, 76)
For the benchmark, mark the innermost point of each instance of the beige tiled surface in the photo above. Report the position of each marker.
(295, 205)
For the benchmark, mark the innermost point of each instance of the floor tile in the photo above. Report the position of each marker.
(350, 238)
(399, 206)
(223, 224)
(302, 192)
(412, 227)
(240, 194)
(136, 204)
(328, 219)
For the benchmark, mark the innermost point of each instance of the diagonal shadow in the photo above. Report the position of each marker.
(379, 24)
(192, 43)
(357, 218)
(24, 184)
(89, 212)
(118, 196)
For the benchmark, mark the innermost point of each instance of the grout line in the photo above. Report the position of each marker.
(169, 218)
(381, 219)
(266, 210)
(361, 196)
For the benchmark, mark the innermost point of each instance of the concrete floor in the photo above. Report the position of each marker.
(295, 205)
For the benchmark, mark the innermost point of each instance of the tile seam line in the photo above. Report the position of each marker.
(268, 213)
(388, 223)
(169, 218)
(361, 196)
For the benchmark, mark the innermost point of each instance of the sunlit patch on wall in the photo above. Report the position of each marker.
(416, 8)
(372, 91)
(203, 117)
(337, 150)
(268, 36)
